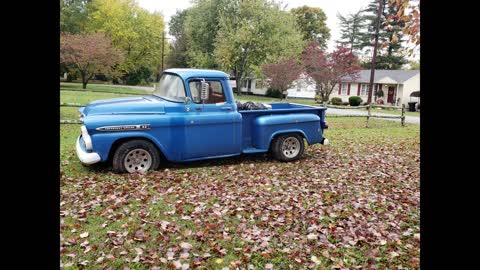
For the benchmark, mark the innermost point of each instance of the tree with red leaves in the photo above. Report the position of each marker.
(282, 74)
(327, 69)
(89, 53)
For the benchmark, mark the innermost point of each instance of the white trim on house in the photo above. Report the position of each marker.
(386, 80)
(408, 82)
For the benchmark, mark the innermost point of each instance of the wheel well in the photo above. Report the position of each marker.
(118, 142)
(276, 136)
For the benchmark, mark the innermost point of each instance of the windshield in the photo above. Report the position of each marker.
(170, 87)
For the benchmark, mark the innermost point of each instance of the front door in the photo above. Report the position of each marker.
(210, 124)
(391, 94)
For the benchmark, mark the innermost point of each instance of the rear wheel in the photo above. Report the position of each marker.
(136, 156)
(288, 147)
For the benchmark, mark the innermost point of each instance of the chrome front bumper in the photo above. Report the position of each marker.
(84, 156)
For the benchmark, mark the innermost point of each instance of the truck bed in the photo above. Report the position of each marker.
(284, 110)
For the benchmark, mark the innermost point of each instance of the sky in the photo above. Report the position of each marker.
(330, 7)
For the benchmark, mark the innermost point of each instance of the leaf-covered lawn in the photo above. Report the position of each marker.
(351, 205)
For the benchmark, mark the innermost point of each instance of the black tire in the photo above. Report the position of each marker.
(290, 139)
(127, 148)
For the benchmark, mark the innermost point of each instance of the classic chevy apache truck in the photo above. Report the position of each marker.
(192, 115)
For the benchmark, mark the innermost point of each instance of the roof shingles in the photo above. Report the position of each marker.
(400, 76)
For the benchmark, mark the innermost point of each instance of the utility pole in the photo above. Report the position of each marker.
(374, 58)
(163, 45)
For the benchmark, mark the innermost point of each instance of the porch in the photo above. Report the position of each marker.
(391, 93)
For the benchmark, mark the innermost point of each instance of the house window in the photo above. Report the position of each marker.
(344, 88)
(364, 90)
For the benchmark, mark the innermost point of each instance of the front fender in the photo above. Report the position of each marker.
(103, 142)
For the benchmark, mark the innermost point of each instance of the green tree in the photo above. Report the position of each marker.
(73, 15)
(259, 33)
(408, 13)
(201, 28)
(390, 53)
(132, 29)
(178, 56)
(352, 33)
(312, 23)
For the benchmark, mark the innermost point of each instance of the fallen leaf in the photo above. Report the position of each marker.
(185, 245)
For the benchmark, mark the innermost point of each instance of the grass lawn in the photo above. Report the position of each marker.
(119, 89)
(353, 204)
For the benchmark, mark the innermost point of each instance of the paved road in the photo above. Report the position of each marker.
(145, 88)
(408, 119)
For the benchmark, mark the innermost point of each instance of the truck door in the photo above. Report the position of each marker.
(212, 124)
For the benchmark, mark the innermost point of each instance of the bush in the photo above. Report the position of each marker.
(136, 78)
(380, 101)
(355, 100)
(336, 101)
(273, 93)
(380, 93)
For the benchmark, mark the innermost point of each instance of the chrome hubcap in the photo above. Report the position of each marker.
(291, 147)
(137, 160)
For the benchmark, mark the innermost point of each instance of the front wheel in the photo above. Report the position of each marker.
(136, 156)
(288, 147)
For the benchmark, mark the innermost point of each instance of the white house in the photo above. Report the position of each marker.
(397, 85)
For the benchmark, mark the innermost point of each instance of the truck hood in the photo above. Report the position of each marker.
(127, 105)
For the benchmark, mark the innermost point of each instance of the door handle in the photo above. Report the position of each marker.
(198, 108)
(227, 108)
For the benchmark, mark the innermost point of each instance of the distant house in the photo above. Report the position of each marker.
(397, 85)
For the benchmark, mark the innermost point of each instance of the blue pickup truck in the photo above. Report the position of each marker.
(192, 115)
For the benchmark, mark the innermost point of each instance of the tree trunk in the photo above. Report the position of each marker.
(84, 79)
(238, 76)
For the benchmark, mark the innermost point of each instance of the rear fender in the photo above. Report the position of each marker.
(266, 127)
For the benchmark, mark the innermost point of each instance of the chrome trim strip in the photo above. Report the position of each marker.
(124, 127)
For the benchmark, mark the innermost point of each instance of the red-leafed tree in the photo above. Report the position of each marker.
(327, 69)
(89, 53)
(282, 74)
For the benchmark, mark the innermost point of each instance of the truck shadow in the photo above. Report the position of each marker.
(228, 161)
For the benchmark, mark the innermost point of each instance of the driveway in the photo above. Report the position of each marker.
(408, 119)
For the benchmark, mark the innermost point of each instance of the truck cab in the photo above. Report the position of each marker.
(192, 115)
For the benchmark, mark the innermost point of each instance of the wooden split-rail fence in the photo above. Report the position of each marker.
(369, 112)
(368, 107)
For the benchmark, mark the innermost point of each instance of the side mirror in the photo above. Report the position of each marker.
(187, 100)
(204, 92)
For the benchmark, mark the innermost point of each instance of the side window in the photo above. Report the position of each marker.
(216, 94)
